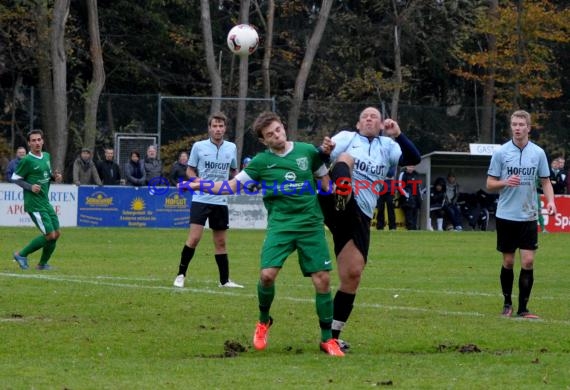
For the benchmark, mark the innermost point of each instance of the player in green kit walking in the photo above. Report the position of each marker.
(285, 174)
(34, 175)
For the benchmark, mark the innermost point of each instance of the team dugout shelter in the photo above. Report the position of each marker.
(470, 169)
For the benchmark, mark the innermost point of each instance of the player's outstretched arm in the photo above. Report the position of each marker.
(410, 154)
(327, 146)
(22, 183)
(325, 149)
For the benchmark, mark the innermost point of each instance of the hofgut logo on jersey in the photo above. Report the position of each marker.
(527, 174)
(216, 165)
(367, 167)
(523, 171)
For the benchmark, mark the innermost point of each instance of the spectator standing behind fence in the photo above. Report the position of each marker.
(13, 164)
(3, 166)
(411, 200)
(386, 198)
(134, 170)
(562, 173)
(558, 176)
(84, 170)
(109, 170)
(451, 207)
(178, 170)
(437, 196)
(567, 175)
(152, 165)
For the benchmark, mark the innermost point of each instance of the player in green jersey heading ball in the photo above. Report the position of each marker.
(287, 172)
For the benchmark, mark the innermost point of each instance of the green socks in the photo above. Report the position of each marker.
(324, 304)
(49, 247)
(265, 296)
(34, 245)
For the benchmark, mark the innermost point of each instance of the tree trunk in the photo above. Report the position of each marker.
(58, 138)
(301, 80)
(213, 71)
(95, 87)
(16, 98)
(268, 47)
(243, 85)
(109, 114)
(397, 71)
(489, 83)
(517, 100)
(44, 70)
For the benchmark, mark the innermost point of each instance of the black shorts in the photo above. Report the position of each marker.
(516, 234)
(350, 224)
(217, 215)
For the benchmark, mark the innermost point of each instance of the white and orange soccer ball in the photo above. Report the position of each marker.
(243, 39)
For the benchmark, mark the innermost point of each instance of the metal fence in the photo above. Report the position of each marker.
(170, 118)
(180, 116)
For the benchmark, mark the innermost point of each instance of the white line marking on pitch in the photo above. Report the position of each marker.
(219, 291)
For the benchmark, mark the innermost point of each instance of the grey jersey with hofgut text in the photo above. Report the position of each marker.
(372, 160)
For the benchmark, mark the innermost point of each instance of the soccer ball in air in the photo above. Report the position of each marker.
(243, 39)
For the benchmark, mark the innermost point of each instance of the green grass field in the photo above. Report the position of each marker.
(426, 317)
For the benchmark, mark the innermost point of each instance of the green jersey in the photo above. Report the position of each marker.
(288, 187)
(35, 170)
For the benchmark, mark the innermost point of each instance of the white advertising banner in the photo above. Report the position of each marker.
(63, 198)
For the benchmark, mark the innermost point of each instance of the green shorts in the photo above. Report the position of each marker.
(312, 249)
(46, 220)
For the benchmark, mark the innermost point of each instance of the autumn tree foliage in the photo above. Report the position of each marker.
(522, 62)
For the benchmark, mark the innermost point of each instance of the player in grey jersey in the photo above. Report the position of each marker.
(359, 158)
(513, 172)
(212, 159)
